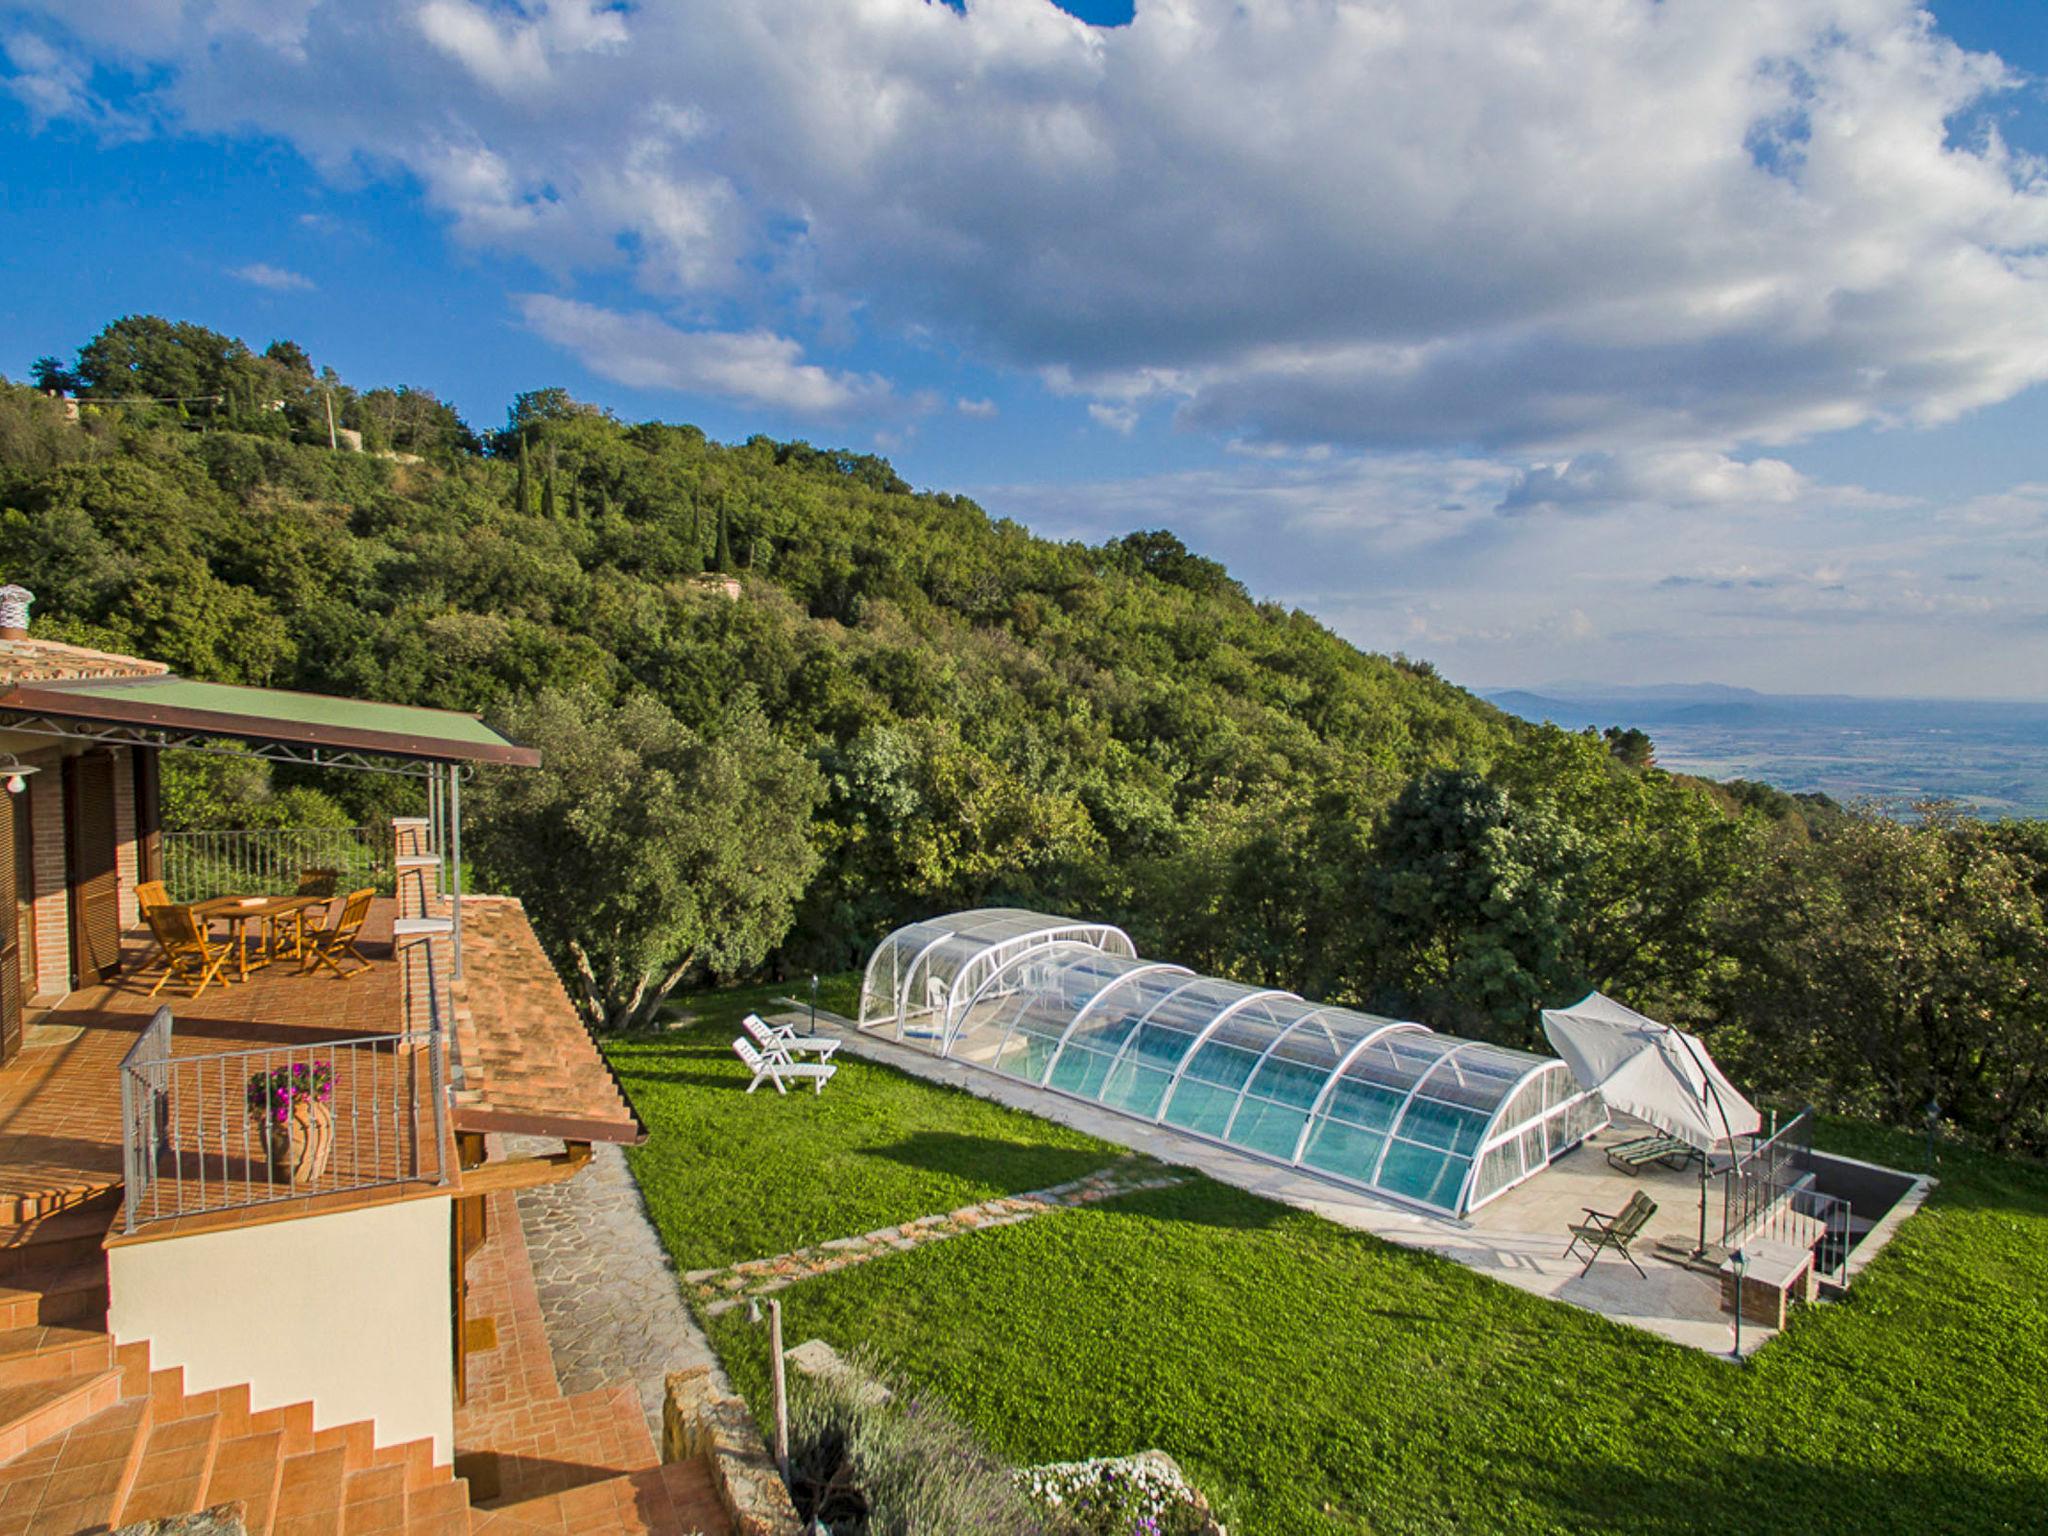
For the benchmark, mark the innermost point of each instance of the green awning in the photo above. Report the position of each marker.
(181, 706)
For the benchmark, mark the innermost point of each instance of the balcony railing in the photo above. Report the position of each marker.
(267, 861)
(202, 1133)
(1771, 1195)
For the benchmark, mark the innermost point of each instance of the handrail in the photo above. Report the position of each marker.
(144, 1127)
(223, 1130)
(269, 860)
(1771, 1194)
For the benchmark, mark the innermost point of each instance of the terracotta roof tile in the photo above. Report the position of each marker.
(528, 1063)
(42, 661)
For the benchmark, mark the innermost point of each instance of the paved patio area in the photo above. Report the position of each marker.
(1519, 1238)
(60, 1101)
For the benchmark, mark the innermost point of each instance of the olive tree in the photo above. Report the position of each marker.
(646, 850)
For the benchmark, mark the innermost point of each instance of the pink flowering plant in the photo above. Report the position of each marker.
(273, 1095)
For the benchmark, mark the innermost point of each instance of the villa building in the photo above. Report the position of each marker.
(259, 1244)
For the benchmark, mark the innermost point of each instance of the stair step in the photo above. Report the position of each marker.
(309, 1494)
(35, 1413)
(417, 1457)
(495, 1522)
(18, 1208)
(246, 1468)
(70, 1293)
(294, 1422)
(51, 1242)
(373, 1501)
(357, 1442)
(672, 1500)
(132, 1361)
(177, 1460)
(79, 1483)
(44, 1353)
(439, 1509)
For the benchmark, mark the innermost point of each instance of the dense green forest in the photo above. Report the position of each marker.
(911, 706)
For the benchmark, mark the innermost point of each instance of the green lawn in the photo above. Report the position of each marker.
(730, 1175)
(1315, 1379)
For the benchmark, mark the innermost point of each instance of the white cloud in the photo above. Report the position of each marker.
(1118, 418)
(1537, 227)
(513, 55)
(1682, 479)
(756, 367)
(276, 279)
(983, 409)
(56, 83)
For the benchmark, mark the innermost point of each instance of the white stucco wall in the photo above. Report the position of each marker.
(351, 1311)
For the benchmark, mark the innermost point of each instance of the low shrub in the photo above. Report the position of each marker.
(867, 1460)
(1117, 1496)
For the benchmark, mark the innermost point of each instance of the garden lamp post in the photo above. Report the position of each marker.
(1933, 1125)
(814, 1005)
(1738, 1261)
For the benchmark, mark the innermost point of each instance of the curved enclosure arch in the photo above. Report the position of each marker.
(919, 978)
(1383, 1104)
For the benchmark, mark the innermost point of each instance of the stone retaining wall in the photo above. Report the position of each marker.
(698, 1420)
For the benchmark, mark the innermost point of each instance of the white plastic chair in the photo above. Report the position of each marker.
(770, 1038)
(774, 1067)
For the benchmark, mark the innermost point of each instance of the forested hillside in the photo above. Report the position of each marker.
(910, 706)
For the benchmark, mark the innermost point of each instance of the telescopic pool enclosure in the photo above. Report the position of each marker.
(1067, 1005)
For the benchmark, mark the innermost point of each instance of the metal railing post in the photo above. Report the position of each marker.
(455, 857)
(130, 1177)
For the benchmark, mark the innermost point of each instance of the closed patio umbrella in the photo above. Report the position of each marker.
(1661, 1075)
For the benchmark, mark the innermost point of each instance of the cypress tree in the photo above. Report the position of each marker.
(722, 562)
(576, 497)
(547, 489)
(521, 504)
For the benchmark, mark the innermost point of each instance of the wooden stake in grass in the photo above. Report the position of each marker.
(781, 1389)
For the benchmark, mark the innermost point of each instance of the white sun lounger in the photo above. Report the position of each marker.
(775, 1067)
(786, 1040)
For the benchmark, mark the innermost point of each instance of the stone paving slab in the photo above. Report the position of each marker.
(720, 1290)
(608, 1294)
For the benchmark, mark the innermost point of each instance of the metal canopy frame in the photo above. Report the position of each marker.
(443, 778)
(107, 734)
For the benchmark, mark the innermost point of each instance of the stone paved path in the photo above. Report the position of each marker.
(722, 1289)
(608, 1293)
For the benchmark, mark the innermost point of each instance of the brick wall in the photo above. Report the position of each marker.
(45, 795)
(424, 963)
(125, 853)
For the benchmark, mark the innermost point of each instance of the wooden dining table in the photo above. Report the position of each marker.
(281, 917)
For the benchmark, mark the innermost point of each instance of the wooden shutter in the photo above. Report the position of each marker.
(10, 930)
(95, 875)
(149, 815)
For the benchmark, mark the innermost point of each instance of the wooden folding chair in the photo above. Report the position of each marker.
(318, 888)
(189, 953)
(151, 893)
(330, 945)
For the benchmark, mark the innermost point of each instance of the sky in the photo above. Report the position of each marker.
(1629, 341)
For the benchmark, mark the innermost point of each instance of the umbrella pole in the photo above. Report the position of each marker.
(1701, 1251)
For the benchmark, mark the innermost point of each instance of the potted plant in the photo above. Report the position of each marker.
(291, 1104)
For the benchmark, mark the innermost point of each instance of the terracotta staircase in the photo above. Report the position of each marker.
(91, 1438)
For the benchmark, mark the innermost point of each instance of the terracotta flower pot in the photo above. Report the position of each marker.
(301, 1144)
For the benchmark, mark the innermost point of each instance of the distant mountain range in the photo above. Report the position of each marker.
(1992, 756)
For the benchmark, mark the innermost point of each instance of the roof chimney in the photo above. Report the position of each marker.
(14, 603)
